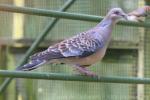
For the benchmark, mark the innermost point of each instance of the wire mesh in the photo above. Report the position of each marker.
(117, 62)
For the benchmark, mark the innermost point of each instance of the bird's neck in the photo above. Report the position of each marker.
(106, 23)
(106, 26)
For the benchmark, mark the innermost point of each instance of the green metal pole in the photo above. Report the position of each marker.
(68, 77)
(67, 15)
(37, 42)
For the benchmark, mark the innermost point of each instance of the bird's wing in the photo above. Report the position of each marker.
(81, 45)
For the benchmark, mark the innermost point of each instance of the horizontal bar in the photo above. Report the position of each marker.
(66, 15)
(67, 77)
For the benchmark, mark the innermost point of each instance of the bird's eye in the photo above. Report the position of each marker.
(116, 12)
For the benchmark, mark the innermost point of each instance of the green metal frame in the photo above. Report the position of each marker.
(37, 42)
(67, 77)
(66, 15)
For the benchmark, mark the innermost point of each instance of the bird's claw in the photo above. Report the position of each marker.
(84, 71)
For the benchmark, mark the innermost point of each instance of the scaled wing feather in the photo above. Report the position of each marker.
(81, 45)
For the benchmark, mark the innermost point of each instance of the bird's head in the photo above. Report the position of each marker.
(117, 14)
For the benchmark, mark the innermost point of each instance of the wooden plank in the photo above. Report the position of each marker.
(140, 68)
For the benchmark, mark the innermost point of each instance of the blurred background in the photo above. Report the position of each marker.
(128, 54)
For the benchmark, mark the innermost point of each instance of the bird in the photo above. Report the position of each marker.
(136, 14)
(82, 50)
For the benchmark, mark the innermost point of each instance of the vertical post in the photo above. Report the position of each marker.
(18, 22)
(17, 33)
(140, 69)
(2, 65)
(147, 54)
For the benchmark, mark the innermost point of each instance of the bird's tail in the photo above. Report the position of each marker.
(31, 65)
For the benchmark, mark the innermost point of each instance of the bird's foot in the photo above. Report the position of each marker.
(84, 71)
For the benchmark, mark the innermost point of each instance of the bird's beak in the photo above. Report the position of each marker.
(125, 16)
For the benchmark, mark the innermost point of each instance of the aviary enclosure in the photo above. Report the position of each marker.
(28, 26)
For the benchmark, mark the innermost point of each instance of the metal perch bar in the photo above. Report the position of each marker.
(67, 77)
(37, 41)
(66, 15)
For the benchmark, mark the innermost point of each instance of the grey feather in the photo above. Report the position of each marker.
(83, 45)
